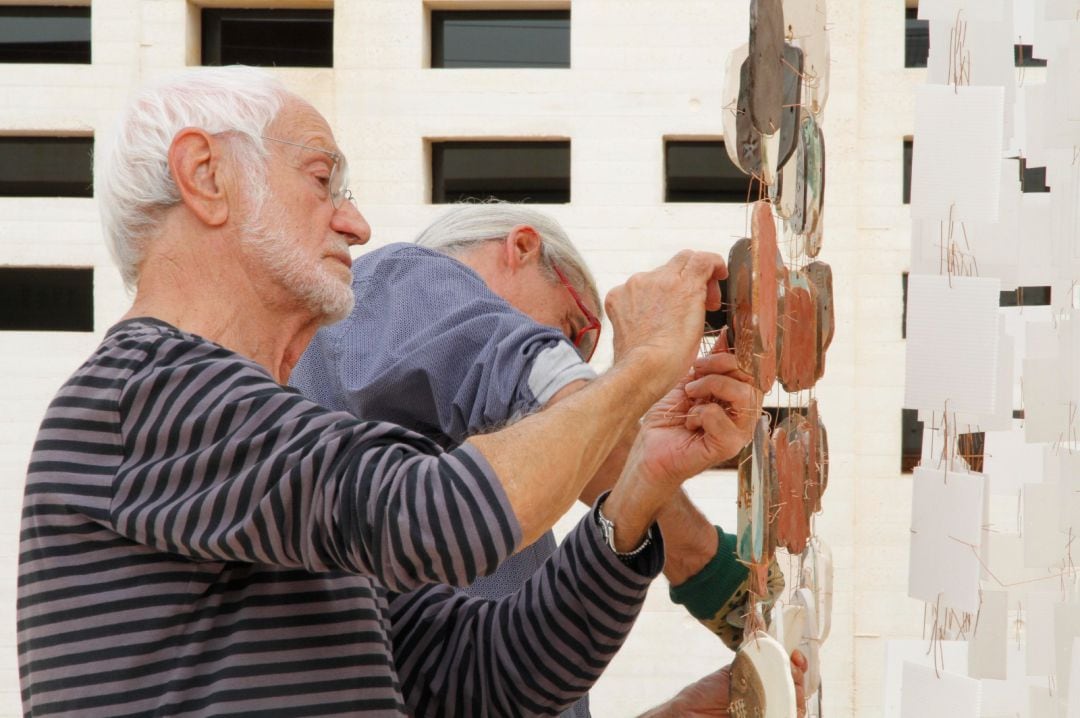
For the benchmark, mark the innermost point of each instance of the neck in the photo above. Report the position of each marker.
(219, 299)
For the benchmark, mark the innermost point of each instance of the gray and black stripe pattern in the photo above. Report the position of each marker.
(197, 540)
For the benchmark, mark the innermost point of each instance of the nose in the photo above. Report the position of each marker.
(347, 220)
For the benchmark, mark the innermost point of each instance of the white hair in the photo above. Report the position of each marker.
(469, 224)
(136, 186)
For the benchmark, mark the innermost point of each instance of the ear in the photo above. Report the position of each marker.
(522, 246)
(195, 163)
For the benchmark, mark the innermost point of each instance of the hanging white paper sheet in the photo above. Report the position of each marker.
(1035, 240)
(1074, 682)
(987, 657)
(988, 49)
(1048, 408)
(1001, 418)
(951, 656)
(1009, 462)
(1059, 130)
(946, 10)
(952, 338)
(1008, 572)
(930, 694)
(1044, 544)
(1008, 698)
(1069, 498)
(1038, 616)
(946, 532)
(1023, 21)
(1066, 631)
(956, 164)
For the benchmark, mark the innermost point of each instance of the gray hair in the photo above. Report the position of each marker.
(470, 224)
(136, 186)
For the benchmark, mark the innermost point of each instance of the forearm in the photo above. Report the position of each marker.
(545, 460)
(542, 647)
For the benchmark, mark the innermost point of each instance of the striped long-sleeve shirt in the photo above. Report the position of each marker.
(197, 540)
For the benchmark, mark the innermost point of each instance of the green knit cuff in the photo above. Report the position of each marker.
(706, 592)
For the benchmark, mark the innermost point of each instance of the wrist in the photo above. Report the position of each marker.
(691, 540)
(632, 506)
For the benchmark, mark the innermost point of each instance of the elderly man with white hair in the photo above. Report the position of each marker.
(492, 315)
(198, 539)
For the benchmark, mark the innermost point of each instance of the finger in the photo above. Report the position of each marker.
(710, 418)
(723, 344)
(718, 363)
(799, 660)
(723, 387)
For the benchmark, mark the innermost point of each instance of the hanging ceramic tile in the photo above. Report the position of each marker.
(797, 334)
(766, 76)
(789, 113)
(792, 525)
(820, 275)
(732, 103)
(761, 684)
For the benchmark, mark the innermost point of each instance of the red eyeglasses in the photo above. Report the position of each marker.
(586, 338)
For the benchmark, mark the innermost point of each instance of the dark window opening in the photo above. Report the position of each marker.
(1023, 57)
(714, 321)
(701, 171)
(909, 149)
(283, 38)
(911, 437)
(1018, 414)
(500, 38)
(37, 33)
(1026, 297)
(51, 299)
(46, 167)
(535, 172)
(916, 39)
(1032, 179)
(971, 448)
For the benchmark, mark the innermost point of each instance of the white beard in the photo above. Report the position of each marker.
(304, 276)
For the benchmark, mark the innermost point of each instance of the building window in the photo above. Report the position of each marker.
(1032, 179)
(535, 172)
(283, 38)
(971, 448)
(1026, 297)
(40, 33)
(46, 167)
(46, 299)
(500, 38)
(701, 171)
(1023, 57)
(911, 430)
(909, 148)
(916, 38)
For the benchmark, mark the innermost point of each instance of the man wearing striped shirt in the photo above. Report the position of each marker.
(490, 316)
(198, 540)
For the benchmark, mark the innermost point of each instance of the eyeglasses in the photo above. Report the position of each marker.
(586, 338)
(339, 173)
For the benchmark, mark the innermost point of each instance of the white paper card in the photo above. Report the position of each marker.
(1074, 682)
(1044, 545)
(928, 694)
(1039, 627)
(951, 657)
(987, 656)
(946, 10)
(1047, 408)
(1066, 631)
(956, 167)
(1008, 572)
(946, 523)
(1009, 462)
(952, 337)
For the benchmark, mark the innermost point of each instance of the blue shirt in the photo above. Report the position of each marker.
(430, 347)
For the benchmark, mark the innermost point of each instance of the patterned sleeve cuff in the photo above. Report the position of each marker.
(718, 594)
